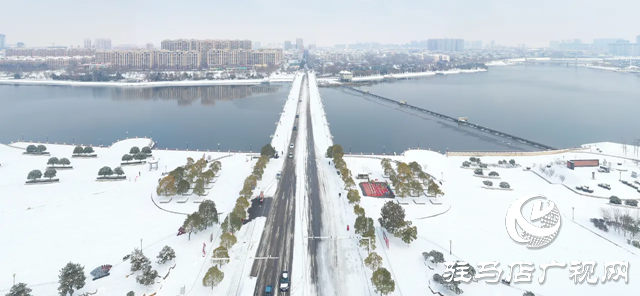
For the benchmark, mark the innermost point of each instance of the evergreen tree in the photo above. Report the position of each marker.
(138, 260)
(78, 150)
(373, 261)
(358, 210)
(183, 187)
(213, 277)
(87, 150)
(146, 150)
(64, 161)
(198, 189)
(435, 256)
(167, 186)
(329, 153)
(267, 151)
(363, 225)
(148, 275)
(528, 293)
(140, 156)
(215, 166)
(452, 285)
(166, 254)
(32, 149)
(338, 153)
(19, 289)
(35, 174)
(127, 158)
(487, 183)
(41, 148)
(227, 240)
(134, 150)
(193, 223)
(382, 281)
(131, 293)
(408, 233)
(434, 189)
(353, 196)
(105, 171)
(71, 278)
(493, 174)
(222, 254)
(392, 217)
(53, 161)
(50, 173)
(209, 213)
(118, 171)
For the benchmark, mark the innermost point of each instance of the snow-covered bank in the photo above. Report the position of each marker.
(94, 223)
(479, 235)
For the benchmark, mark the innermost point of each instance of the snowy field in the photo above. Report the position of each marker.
(94, 223)
(474, 224)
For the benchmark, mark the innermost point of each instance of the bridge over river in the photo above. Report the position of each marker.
(461, 120)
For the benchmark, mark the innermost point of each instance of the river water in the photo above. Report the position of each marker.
(555, 106)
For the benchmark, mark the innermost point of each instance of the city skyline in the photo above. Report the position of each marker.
(325, 24)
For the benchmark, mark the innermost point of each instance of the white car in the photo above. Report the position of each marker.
(290, 155)
(284, 281)
(291, 146)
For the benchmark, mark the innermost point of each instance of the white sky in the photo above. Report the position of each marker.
(326, 22)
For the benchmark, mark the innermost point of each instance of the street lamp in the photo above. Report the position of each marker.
(449, 247)
(383, 150)
(100, 142)
(249, 147)
(127, 135)
(14, 279)
(187, 145)
(349, 149)
(573, 213)
(47, 139)
(74, 140)
(218, 147)
(140, 244)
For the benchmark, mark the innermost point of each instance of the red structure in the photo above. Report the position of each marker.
(582, 163)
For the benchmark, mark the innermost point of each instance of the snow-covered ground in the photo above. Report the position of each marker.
(95, 223)
(475, 224)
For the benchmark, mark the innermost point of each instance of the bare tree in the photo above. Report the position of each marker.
(543, 169)
(561, 177)
(605, 213)
(616, 218)
(551, 172)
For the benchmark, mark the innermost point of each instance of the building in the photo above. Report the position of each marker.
(204, 45)
(49, 62)
(103, 44)
(624, 49)
(346, 76)
(573, 46)
(493, 43)
(571, 164)
(287, 45)
(48, 52)
(87, 43)
(602, 44)
(149, 46)
(299, 44)
(445, 44)
(256, 45)
(20, 45)
(3, 41)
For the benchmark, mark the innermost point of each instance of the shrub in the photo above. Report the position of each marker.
(472, 159)
(134, 150)
(64, 161)
(50, 173)
(493, 174)
(127, 157)
(35, 174)
(32, 149)
(87, 150)
(488, 183)
(53, 161)
(615, 200)
(631, 202)
(78, 150)
(478, 172)
(483, 165)
(105, 171)
(466, 164)
(140, 156)
(504, 185)
(41, 148)
(512, 162)
(146, 150)
(118, 171)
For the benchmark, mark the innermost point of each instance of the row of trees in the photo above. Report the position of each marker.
(363, 226)
(404, 180)
(234, 220)
(53, 161)
(620, 220)
(179, 181)
(204, 217)
(33, 149)
(504, 185)
(37, 174)
(70, 279)
(106, 171)
(140, 262)
(80, 150)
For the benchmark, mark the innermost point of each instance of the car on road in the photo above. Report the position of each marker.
(295, 127)
(290, 155)
(268, 291)
(284, 281)
(291, 146)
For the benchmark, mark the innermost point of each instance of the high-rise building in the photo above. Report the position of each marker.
(87, 43)
(149, 46)
(445, 44)
(624, 49)
(2, 41)
(299, 44)
(20, 45)
(103, 44)
(602, 44)
(287, 45)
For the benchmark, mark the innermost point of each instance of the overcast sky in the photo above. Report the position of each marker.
(326, 22)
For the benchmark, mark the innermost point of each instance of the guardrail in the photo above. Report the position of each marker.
(79, 144)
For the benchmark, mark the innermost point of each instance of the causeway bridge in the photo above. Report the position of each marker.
(461, 120)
